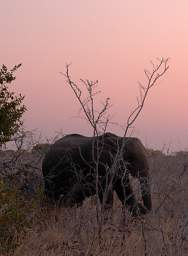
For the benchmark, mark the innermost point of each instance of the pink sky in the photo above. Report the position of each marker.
(112, 41)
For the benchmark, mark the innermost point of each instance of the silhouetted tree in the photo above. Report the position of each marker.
(11, 105)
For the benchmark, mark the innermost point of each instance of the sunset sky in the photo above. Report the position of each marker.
(111, 41)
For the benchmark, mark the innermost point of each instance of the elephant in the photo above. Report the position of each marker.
(76, 167)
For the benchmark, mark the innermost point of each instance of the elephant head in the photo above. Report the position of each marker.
(76, 167)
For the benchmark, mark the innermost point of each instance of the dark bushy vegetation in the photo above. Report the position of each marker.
(11, 105)
(21, 194)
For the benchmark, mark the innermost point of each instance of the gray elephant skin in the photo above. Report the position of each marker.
(76, 167)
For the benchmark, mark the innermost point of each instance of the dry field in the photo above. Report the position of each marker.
(36, 229)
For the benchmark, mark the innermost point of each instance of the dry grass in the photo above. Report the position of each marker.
(75, 231)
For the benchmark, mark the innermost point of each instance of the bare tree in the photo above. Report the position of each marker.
(100, 118)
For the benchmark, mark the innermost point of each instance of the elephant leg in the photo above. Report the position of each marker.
(106, 197)
(106, 200)
(50, 190)
(125, 193)
(74, 196)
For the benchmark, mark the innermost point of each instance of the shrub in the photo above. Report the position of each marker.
(16, 216)
(11, 106)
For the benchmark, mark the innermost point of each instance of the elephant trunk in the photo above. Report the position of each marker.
(145, 190)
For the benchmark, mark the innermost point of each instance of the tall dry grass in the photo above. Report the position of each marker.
(75, 231)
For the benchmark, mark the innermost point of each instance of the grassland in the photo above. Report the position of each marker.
(28, 226)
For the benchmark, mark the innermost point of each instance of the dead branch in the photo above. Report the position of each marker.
(152, 77)
(96, 118)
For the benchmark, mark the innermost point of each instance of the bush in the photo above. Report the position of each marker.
(16, 216)
(11, 106)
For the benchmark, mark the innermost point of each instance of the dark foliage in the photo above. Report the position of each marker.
(11, 105)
